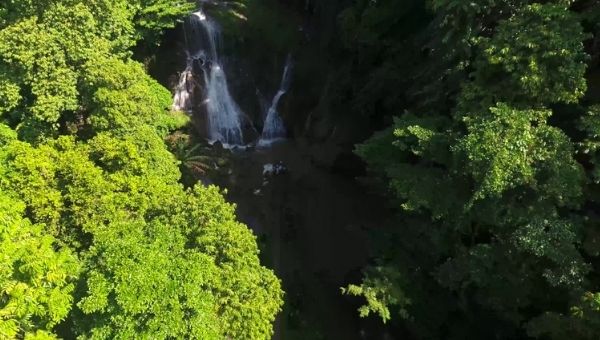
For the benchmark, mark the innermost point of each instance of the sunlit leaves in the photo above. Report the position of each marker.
(36, 276)
(158, 261)
(123, 97)
(40, 64)
(536, 57)
(153, 16)
(380, 291)
(506, 148)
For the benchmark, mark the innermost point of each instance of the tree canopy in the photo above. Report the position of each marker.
(99, 238)
(491, 176)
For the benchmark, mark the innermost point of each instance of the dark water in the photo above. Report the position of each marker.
(312, 225)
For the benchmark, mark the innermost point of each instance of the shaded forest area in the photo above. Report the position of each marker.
(477, 121)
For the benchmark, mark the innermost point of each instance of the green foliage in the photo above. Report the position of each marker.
(82, 151)
(36, 279)
(582, 322)
(376, 58)
(152, 17)
(33, 55)
(490, 191)
(119, 21)
(530, 151)
(590, 124)
(380, 291)
(159, 261)
(417, 185)
(535, 57)
(116, 89)
(56, 57)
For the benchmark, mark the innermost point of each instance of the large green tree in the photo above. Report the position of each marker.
(491, 191)
(126, 251)
(36, 279)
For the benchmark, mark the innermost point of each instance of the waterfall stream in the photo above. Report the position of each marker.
(222, 112)
(223, 115)
(274, 129)
(182, 100)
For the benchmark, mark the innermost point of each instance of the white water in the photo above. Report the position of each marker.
(274, 129)
(223, 113)
(182, 100)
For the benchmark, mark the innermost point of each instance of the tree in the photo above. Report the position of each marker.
(36, 280)
(490, 192)
(82, 148)
(158, 260)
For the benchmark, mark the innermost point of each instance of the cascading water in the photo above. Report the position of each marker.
(274, 129)
(223, 113)
(182, 100)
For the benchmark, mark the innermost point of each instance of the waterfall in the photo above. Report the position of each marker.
(223, 113)
(274, 129)
(182, 100)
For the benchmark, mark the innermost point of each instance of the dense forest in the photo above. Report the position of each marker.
(99, 239)
(425, 169)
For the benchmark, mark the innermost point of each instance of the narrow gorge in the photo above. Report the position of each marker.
(305, 214)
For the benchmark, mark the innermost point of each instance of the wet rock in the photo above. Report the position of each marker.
(218, 146)
(270, 170)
